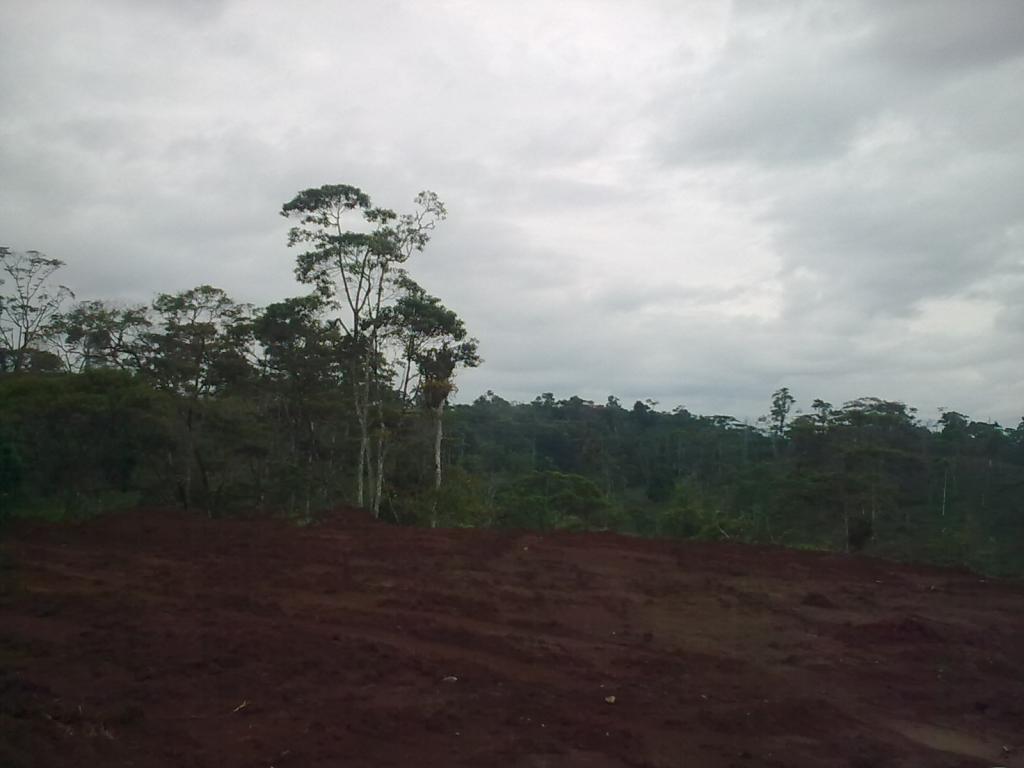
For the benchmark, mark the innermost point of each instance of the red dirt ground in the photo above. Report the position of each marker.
(158, 639)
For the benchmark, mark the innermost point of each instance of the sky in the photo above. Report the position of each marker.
(693, 202)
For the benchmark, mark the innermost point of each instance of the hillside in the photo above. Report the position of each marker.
(158, 639)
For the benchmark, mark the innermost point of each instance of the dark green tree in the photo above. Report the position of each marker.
(302, 365)
(198, 348)
(434, 343)
(782, 402)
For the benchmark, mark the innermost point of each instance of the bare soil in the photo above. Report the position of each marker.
(157, 639)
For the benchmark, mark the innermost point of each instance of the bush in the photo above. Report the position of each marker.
(68, 440)
(460, 502)
(547, 500)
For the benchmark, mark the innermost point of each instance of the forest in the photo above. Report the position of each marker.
(343, 396)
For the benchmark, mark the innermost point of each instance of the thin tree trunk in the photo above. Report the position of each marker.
(188, 459)
(309, 466)
(379, 479)
(364, 444)
(438, 437)
(204, 479)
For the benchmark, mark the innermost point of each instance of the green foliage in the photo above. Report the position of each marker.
(548, 499)
(78, 437)
(199, 344)
(461, 502)
(782, 402)
(866, 476)
(11, 475)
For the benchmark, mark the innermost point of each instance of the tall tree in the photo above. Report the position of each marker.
(302, 370)
(357, 268)
(782, 402)
(434, 340)
(823, 413)
(200, 345)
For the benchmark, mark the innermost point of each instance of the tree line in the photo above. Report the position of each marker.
(864, 475)
(342, 396)
(220, 405)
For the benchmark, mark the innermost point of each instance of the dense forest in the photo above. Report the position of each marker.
(341, 396)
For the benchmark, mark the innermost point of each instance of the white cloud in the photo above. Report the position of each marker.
(698, 203)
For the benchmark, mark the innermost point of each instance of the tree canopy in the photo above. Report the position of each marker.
(344, 395)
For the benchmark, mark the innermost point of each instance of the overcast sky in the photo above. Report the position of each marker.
(696, 202)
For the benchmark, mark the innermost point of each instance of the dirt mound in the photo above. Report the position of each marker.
(162, 639)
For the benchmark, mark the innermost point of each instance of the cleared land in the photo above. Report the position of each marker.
(160, 639)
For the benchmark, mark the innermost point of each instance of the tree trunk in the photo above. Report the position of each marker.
(438, 437)
(204, 479)
(378, 490)
(364, 445)
(189, 452)
(309, 467)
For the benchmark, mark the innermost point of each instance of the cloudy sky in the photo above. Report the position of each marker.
(696, 202)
